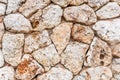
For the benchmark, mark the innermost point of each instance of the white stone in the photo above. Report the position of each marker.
(1, 59)
(2, 9)
(117, 1)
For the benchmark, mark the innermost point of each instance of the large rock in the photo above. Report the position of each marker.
(2, 9)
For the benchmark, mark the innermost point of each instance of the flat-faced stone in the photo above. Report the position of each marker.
(1, 59)
(83, 14)
(47, 56)
(77, 2)
(110, 10)
(28, 68)
(73, 56)
(108, 30)
(1, 33)
(82, 33)
(2, 9)
(36, 40)
(12, 47)
(99, 54)
(17, 23)
(61, 35)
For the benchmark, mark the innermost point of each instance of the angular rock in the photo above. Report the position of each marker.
(56, 73)
(36, 40)
(28, 68)
(108, 11)
(97, 73)
(116, 50)
(61, 35)
(12, 47)
(17, 23)
(73, 56)
(7, 73)
(83, 14)
(99, 54)
(2, 9)
(47, 56)
(32, 6)
(108, 30)
(77, 2)
(82, 33)
(1, 59)
(1, 33)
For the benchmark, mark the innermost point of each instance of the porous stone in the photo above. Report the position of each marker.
(61, 35)
(82, 33)
(1, 33)
(56, 73)
(28, 68)
(99, 54)
(1, 59)
(12, 47)
(95, 73)
(47, 56)
(17, 23)
(116, 50)
(73, 56)
(108, 11)
(77, 2)
(83, 14)
(108, 30)
(2, 9)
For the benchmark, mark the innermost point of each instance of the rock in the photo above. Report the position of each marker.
(108, 30)
(82, 33)
(77, 2)
(116, 68)
(96, 73)
(117, 1)
(2, 9)
(28, 68)
(61, 35)
(56, 73)
(73, 56)
(17, 23)
(83, 14)
(32, 6)
(1, 33)
(36, 40)
(47, 56)
(13, 5)
(62, 3)
(108, 11)
(96, 4)
(4, 1)
(99, 54)
(7, 73)
(1, 59)
(12, 47)
(116, 50)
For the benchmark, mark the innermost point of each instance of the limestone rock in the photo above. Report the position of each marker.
(28, 68)
(73, 56)
(77, 2)
(2, 9)
(1, 33)
(12, 46)
(17, 23)
(83, 14)
(1, 59)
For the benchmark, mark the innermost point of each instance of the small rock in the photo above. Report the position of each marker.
(32, 6)
(83, 14)
(61, 35)
(82, 33)
(2, 9)
(12, 47)
(99, 54)
(96, 73)
(36, 40)
(7, 73)
(17, 23)
(116, 50)
(108, 30)
(1, 59)
(73, 56)
(56, 73)
(1, 33)
(47, 56)
(110, 10)
(77, 2)
(28, 68)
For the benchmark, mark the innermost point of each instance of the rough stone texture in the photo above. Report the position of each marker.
(61, 36)
(12, 47)
(116, 50)
(82, 33)
(96, 73)
(99, 54)
(1, 59)
(2, 9)
(110, 10)
(56, 73)
(36, 40)
(83, 14)
(7, 73)
(32, 6)
(17, 23)
(77, 2)
(1, 33)
(73, 56)
(47, 56)
(28, 68)
(108, 30)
